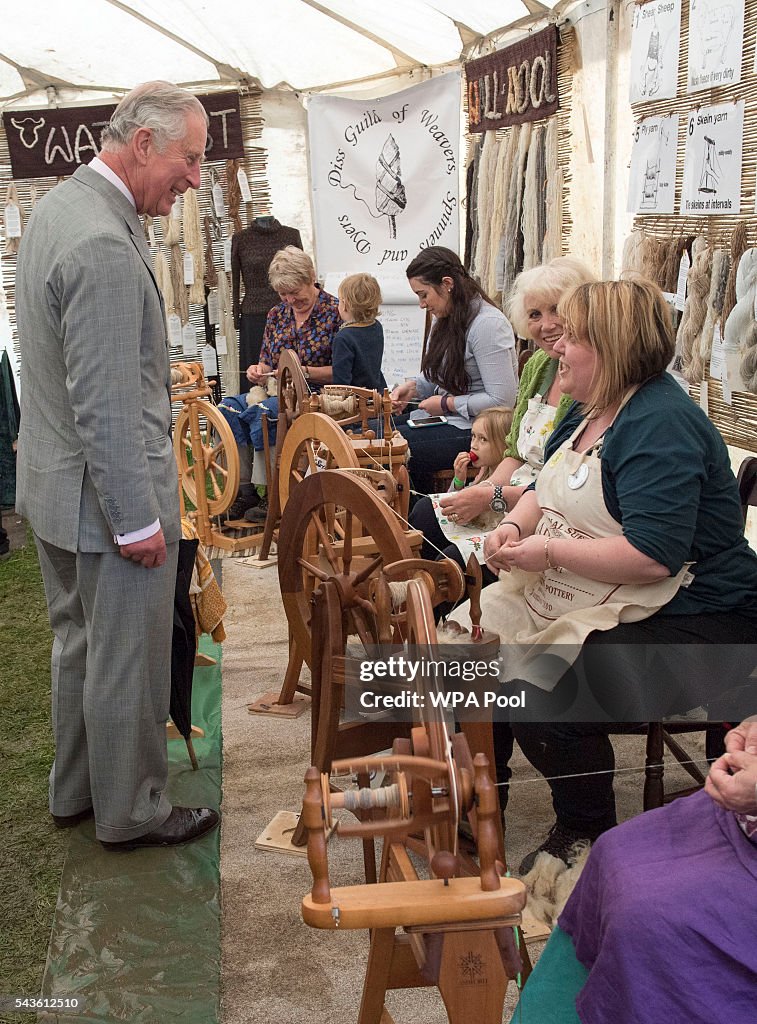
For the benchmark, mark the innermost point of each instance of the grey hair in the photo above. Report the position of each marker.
(290, 269)
(160, 106)
(546, 283)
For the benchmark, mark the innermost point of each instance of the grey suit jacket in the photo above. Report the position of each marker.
(94, 452)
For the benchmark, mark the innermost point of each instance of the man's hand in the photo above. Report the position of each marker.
(257, 373)
(150, 553)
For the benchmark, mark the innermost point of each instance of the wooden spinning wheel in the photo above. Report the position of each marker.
(462, 914)
(335, 528)
(313, 443)
(206, 453)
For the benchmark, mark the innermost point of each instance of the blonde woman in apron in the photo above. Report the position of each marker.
(540, 403)
(631, 537)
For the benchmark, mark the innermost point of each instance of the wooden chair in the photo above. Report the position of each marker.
(660, 735)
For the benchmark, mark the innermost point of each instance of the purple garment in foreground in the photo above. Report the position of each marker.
(664, 917)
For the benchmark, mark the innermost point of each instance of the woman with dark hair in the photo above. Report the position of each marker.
(469, 363)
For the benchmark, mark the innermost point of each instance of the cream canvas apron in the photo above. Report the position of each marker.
(557, 606)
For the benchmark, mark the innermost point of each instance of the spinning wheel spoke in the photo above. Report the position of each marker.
(347, 543)
(314, 570)
(361, 627)
(372, 567)
(325, 540)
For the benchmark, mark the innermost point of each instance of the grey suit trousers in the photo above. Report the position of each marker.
(112, 623)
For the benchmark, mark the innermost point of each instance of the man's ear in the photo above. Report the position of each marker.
(141, 144)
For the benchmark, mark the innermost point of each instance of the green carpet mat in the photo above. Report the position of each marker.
(137, 936)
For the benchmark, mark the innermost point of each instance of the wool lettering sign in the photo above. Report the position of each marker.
(53, 142)
(514, 85)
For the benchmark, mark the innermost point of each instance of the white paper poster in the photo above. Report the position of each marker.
(384, 176)
(716, 41)
(655, 45)
(712, 170)
(652, 180)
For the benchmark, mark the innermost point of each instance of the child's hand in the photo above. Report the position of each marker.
(461, 464)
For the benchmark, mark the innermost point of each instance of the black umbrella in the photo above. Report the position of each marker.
(183, 646)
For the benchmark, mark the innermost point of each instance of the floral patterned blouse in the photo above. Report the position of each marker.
(311, 342)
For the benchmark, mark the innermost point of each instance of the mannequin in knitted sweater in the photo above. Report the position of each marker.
(251, 253)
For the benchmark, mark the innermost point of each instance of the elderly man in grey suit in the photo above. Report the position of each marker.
(96, 471)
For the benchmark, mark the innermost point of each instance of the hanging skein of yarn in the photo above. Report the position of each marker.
(499, 207)
(211, 274)
(230, 361)
(164, 282)
(738, 248)
(695, 310)
(235, 194)
(552, 247)
(193, 246)
(740, 331)
(631, 259)
(533, 220)
(486, 182)
(701, 358)
(513, 243)
(171, 228)
(177, 280)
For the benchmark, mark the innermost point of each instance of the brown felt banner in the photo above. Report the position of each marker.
(514, 85)
(53, 142)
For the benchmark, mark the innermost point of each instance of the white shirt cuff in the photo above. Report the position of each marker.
(137, 535)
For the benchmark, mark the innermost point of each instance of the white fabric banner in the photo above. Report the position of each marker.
(384, 176)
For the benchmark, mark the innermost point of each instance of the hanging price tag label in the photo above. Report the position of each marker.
(214, 315)
(174, 331)
(221, 347)
(717, 356)
(189, 268)
(703, 398)
(227, 255)
(244, 185)
(209, 363)
(683, 270)
(219, 202)
(189, 340)
(12, 221)
(151, 233)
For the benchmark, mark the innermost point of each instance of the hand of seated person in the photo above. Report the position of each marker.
(460, 467)
(743, 737)
(468, 503)
(258, 372)
(498, 544)
(732, 782)
(402, 395)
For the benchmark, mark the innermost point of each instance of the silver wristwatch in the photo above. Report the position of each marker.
(498, 503)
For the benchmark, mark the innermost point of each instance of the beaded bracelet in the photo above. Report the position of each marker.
(549, 564)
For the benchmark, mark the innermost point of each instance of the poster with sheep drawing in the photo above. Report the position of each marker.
(716, 42)
(655, 45)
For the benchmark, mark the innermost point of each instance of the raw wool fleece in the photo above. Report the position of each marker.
(551, 881)
(695, 310)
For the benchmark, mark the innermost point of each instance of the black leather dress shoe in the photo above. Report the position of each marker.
(181, 826)
(69, 820)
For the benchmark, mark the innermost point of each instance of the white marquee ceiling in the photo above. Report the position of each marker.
(91, 46)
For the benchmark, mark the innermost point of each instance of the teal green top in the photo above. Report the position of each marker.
(531, 379)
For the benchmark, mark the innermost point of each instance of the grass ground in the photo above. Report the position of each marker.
(33, 850)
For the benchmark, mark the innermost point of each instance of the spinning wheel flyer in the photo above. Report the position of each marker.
(712, 169)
